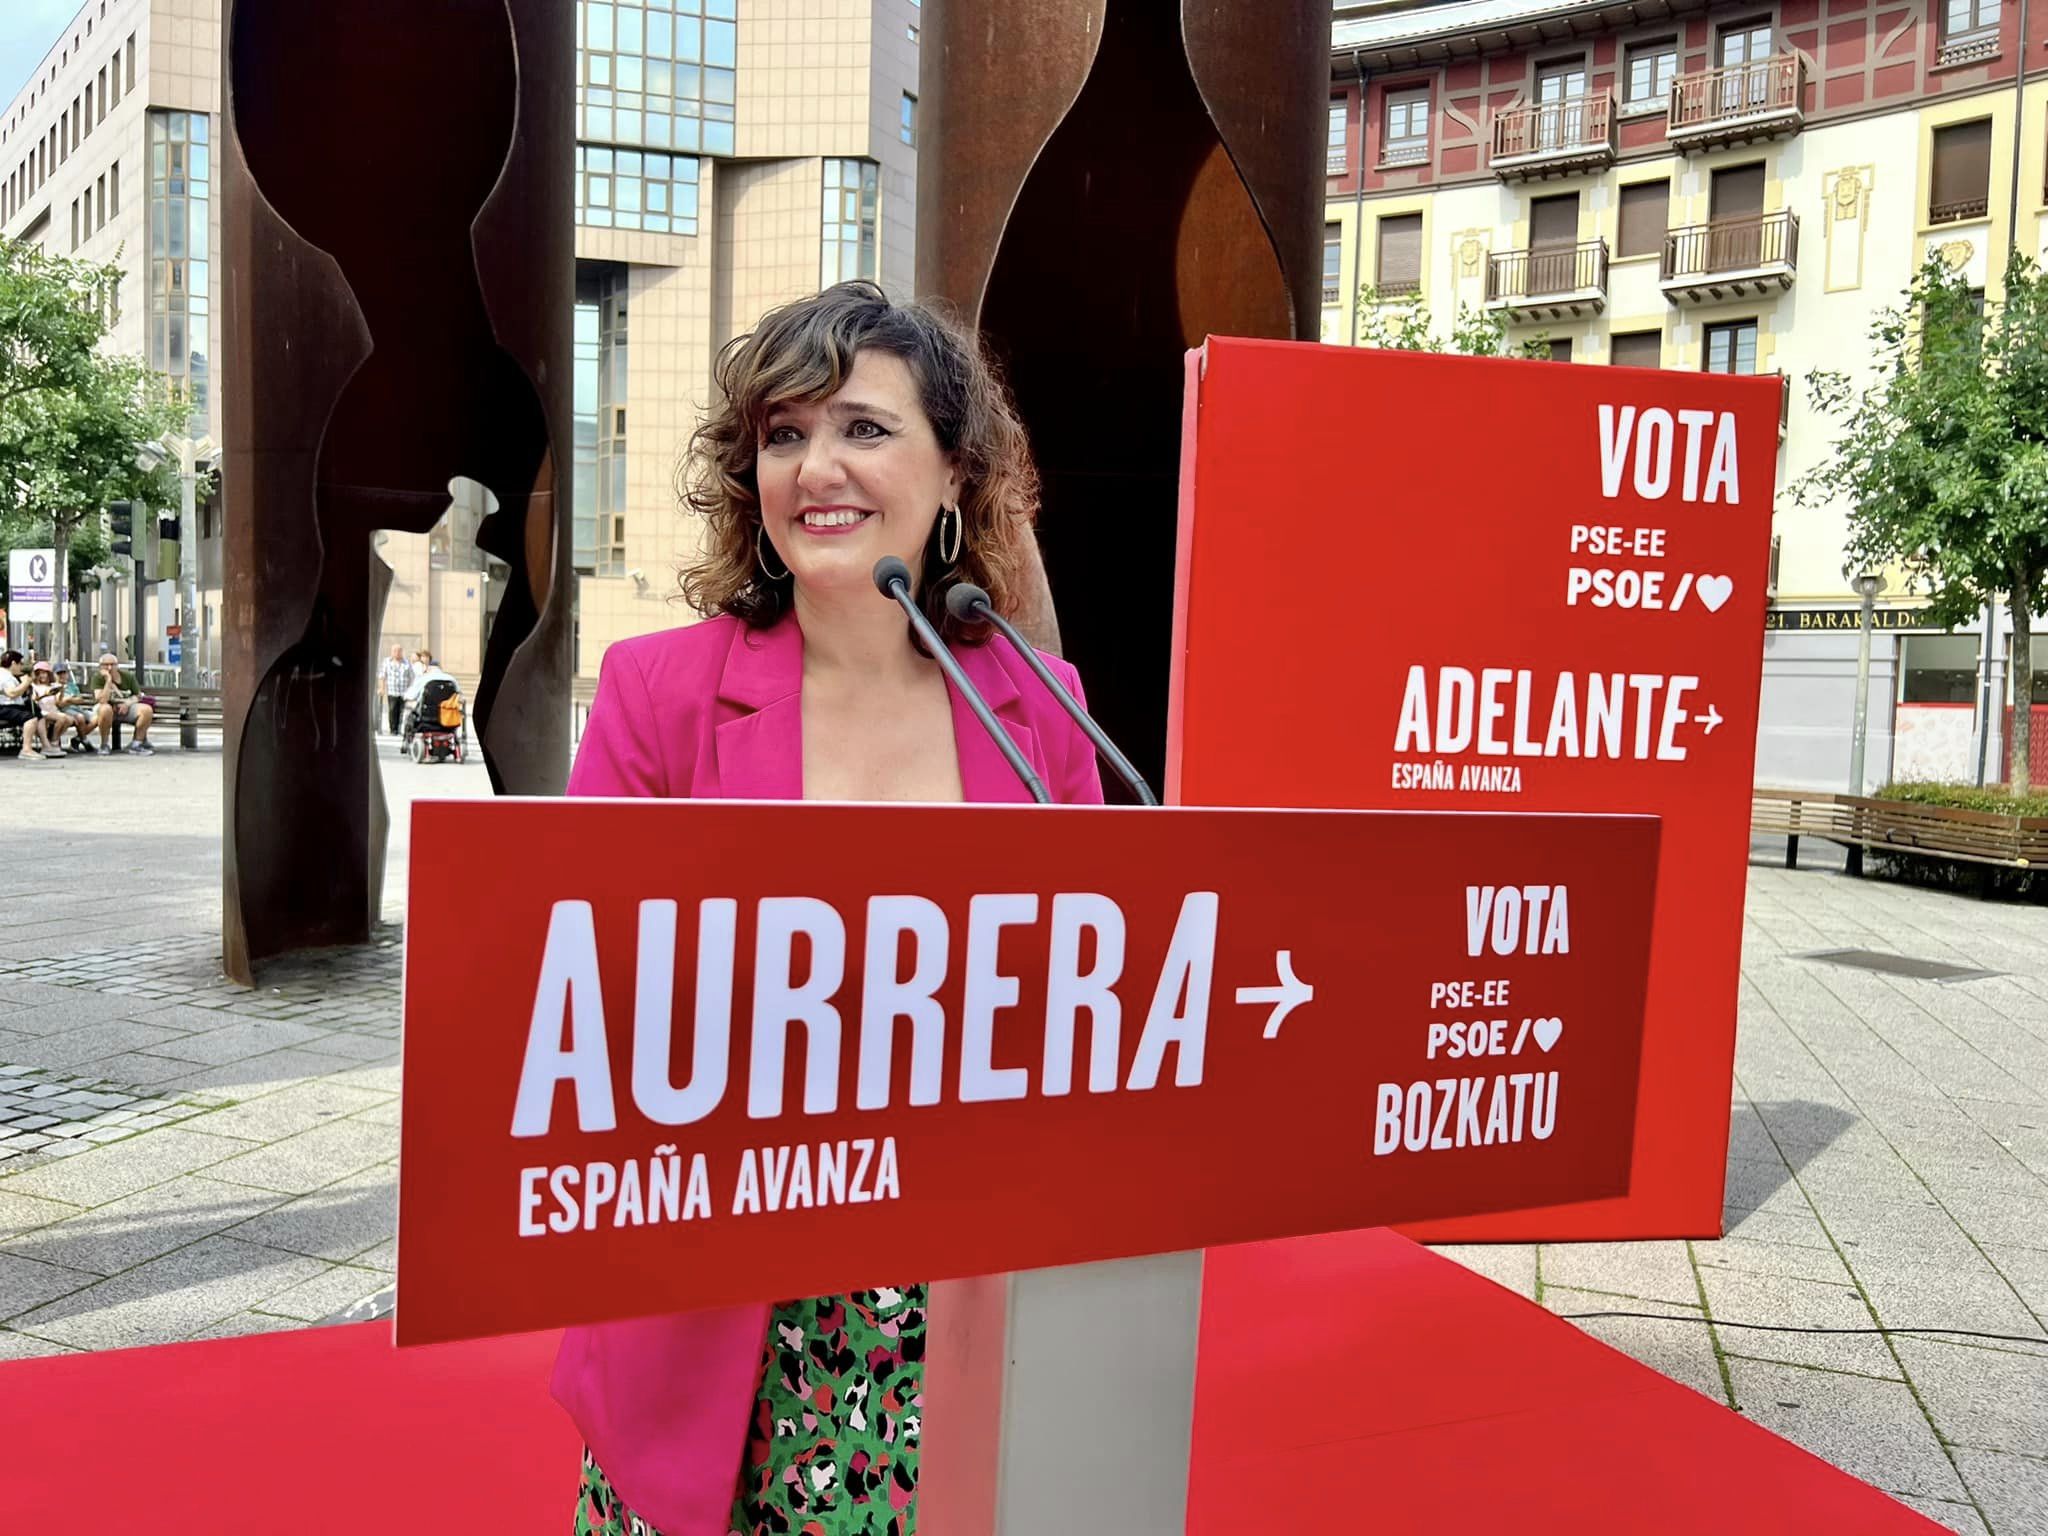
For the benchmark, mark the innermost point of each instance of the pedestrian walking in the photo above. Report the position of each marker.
(396, 674)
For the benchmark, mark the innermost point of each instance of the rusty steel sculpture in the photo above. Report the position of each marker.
(1105, 183)
(399, 293)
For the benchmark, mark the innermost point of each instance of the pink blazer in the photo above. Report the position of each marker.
(712, 712)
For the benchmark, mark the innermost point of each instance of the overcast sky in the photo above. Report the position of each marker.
(27, 29)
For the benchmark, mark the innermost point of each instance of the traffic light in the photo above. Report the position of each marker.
(167, 527)
(123, 513)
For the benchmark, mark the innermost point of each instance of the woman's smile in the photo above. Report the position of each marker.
(833, 520)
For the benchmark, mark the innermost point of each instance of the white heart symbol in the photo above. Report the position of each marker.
(1546, 1031)
(1714, 591)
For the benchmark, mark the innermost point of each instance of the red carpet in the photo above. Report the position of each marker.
(1352, 1383)
(328, 1431)
(1356, 1382)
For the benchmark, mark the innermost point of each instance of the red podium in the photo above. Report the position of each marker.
(1048, 1053)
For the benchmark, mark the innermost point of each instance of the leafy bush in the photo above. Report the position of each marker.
(1968, 797)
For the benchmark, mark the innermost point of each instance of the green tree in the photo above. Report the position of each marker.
(1403, 324)
(77, 454)
(53, 315)
(70, 414)
(1942, 461)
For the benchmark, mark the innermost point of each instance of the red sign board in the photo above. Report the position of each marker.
(1437, 583)
(706, 1053)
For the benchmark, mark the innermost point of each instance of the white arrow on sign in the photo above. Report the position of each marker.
(1286, 997)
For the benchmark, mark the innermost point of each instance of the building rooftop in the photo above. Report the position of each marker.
(1395, 35)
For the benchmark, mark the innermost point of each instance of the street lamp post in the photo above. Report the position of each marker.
(193, 458)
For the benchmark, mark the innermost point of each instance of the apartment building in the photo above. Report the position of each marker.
(730, 155)
(1716, 185)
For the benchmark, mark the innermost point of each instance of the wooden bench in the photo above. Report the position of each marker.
(174, 705)
(1861, 822)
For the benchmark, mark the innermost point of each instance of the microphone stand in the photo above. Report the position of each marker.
(966, 601)
(892, 578)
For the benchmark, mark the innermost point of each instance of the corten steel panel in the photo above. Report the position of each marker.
(398, 294)
(1103, 184)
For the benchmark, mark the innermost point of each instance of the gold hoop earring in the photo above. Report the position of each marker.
(761, 554)
(958, 534)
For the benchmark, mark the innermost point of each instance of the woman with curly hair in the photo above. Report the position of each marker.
(849, 428)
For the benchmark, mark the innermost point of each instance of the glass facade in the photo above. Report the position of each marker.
(180, 199)
(599, 420)
(849, 235)
(657, 75)
(636, 189)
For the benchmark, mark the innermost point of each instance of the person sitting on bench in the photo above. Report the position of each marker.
(83, 710)
(17, 704)
(118, 691)
(46, 732)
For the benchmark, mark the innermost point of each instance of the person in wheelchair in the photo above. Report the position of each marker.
(436, 724)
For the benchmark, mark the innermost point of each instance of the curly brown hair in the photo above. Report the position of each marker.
(803, 352)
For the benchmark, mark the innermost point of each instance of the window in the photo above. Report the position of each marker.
(74, 223)
(103, 95)
(1338, 160)
(1560, 103)
(1561, 349)
(1969, 31)
(1639, 349)
(1333, 264)
(88, 112)
(114, 187)
(659, 77)
(911, 33)
(1731, 348)
(1645, 216)
(1650, 69)
(114, 77)
(1407, 141)
(1400, 257)
(1961, 178)
(1560, 81)
(99, 221)
(636, 189)
(130, 84)
(598, 392)
(1746, 42)
(906, 123)
(180, 288)
(848, 239)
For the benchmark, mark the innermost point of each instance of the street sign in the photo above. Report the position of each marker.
(32, 585)
(660, 1082)
(174, 650)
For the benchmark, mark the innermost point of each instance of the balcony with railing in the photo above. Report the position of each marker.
(1554, 138)
(1738, 103)
(1978, 46)
(1559, 282)
(1957, 212)
(1757, 254)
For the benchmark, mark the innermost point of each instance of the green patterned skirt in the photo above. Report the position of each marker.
(832, 1449)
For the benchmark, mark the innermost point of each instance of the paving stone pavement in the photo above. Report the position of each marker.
(1888, 1158)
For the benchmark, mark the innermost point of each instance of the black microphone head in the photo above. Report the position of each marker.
(964, 600)
(888, 571)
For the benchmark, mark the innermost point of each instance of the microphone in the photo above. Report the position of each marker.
(969, 603)
(892, 579)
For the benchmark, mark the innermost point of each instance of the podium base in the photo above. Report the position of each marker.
(1062, 1400)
